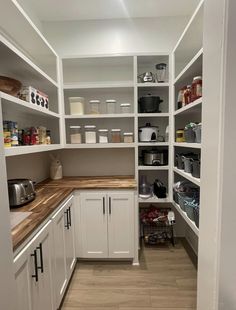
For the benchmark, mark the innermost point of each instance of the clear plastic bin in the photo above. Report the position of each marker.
(103, 135)
(111, 106)
(128, 137)
(125, 108)
(90, 134)
(75, 135)
(115, 136)
(76, 105)
(94, 107)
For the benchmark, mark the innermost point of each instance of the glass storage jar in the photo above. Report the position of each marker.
(196, 88)
(103, 135)
(90, 134)
(180, 135)
(76, 105)
(128, 137)
(125, 107)
(111, 106)
(115, 136)
(94, 107)
(75, 135)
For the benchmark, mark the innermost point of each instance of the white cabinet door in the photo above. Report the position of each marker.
(94, 225)
(121, 225)
(70, 237)
(59, 262)
(41, 269)
(23, 279)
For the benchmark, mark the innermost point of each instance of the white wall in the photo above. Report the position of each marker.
(139, 35)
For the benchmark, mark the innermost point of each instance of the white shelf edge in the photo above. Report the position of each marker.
(118, 84)
(29, 149)
(154, 200)
(27, 105)
(188, 145)
(153, 168)
(153, 143)
(192, 61)
(27, 60)
(99, 145)
(85, 116)
(187, 176)
(183, 214)
(188, 107)
(153, 114)
(152, 84)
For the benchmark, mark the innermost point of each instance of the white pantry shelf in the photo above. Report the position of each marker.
(85, 116)
(153, 144)
(152, 84)
(183, 214)
(153, 168)
(25, 107)
(187, 176)
(99, 145)
(29, 149)
(90, 85)
(154, 199)
(193, 106)
(153, 114)
(188, 145)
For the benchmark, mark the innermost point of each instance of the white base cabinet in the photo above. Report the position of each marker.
(106, 224)
(33, 273)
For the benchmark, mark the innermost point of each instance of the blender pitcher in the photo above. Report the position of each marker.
(161, 72)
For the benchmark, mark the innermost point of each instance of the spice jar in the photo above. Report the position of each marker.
(7, 138)
(94, 106)
(111, 106)
(128, 137)
(180, 135)
(115, 136)
(90, 134)
(75, 134)
(180, 100)
(125, 107)
(48, 137)
(187, 95)
(196, 88)
(103, 135)
(76, 105)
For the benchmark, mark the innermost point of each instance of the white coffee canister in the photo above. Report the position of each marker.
(76, 105)
(55, 168)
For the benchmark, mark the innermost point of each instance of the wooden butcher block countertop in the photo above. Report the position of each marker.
(50, 193)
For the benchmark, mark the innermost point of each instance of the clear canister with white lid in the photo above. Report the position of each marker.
(76, 105)
(115, 135)
(103, 135)
(128, 137)
(125, 107)
(75, 135)
(111, 106)
(94, 106)
(90, 134)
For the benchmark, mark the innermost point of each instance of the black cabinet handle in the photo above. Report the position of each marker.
(36, 276)
(110, 205)
(67, 225)
(103, 199)
(40, 248)
(69, 212)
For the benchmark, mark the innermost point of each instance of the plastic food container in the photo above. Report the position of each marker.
(90, 134)
(115, 136)
(128, 137)
(76, 105)
(103, 135)
(94, 107)
(111, 106)
(198, 132)
(125, 107)
(189, 135)
(75, 135)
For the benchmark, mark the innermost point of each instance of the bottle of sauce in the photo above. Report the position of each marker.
(196, 88)
(187, 98)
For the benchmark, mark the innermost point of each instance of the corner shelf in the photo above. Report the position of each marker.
(188, 145)
(153, 114)
(99, 145)
(193, 106)
(183, 214)
(30, 149)
(91, 85)
(150, 168)
(153, 143)
(154, 199)
(152, 84)
(187, 176)
(86, 116)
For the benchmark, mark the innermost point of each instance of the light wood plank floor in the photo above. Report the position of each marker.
(165, 279)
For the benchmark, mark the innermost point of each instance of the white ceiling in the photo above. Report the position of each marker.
(64, 10)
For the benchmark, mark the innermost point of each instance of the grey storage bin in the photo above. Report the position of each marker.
(190, 205)
(181, 200)
(196, 168)
(198, 133)
(189, 135)
(196, 215)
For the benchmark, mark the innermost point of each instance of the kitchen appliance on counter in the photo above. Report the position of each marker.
(155, 157)
(21, 191)
(148, 133)
(161, 72)
(149, 104)
(146, 77)
(159, 189)
(145, 188)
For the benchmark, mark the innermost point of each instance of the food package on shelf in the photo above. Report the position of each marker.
(34, 96)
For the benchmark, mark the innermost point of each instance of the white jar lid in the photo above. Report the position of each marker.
(103, 130)
(89, 127)
(76, 98)
(197, 78)
(128, 134)
(75, 127)
(125, 105)
(115, 130)
(111, 101)
(94, 101)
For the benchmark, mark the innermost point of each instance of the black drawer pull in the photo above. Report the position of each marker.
(103, 199)
(36, 276)
(67, 225)
(40, 248)
(110, 205)
(69, 211)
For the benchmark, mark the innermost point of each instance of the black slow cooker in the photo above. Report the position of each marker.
(149, 104)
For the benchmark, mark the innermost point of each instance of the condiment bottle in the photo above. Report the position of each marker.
(187, 95)
(196, 88)
(180, 100)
